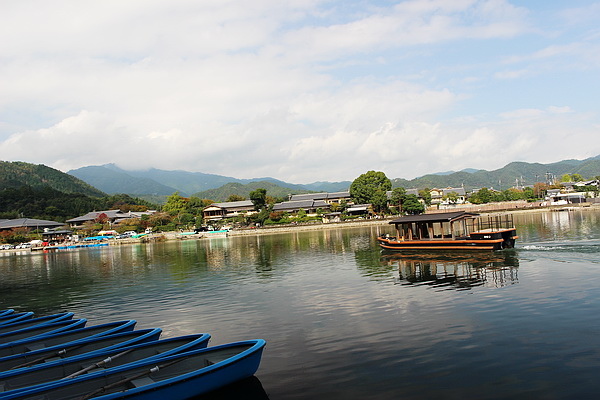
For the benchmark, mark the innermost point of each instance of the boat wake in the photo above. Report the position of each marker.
(587, 247)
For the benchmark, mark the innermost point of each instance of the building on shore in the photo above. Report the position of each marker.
(111, 216)
(28, 223)
(229, 209)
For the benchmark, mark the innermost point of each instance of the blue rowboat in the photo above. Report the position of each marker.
(10, 318)
(57, 351)
(6, 312)
(44, 341)
(9, 327)
(34, 332)
(72, 367)
(179, 376)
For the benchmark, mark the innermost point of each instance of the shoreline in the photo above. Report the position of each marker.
(273, 230)
(383, 221)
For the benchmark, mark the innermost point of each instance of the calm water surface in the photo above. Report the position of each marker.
(343, 320)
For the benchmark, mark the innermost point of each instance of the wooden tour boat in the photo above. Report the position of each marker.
(458, 230)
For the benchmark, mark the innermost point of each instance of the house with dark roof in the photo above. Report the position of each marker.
(310, 206)
(229, 209)
(330, 198)
(592, 183)
(407, 191)
(56, 235)
(111, 216)
(437, 197)
(360, 209)
(29, 223)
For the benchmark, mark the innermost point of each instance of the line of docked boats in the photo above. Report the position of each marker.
(59, 357)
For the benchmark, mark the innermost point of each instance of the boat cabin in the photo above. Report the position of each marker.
(435, 226)
(451, 230)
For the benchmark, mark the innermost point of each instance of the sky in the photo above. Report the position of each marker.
(299, 90)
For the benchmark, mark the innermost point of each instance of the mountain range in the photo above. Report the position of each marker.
(513, 174)
(155, 184)
(111, 179)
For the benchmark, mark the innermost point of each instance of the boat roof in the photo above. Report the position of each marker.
(434, 217)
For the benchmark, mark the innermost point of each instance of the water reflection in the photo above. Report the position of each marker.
(248, 389)
(454, 271)
(557, 225)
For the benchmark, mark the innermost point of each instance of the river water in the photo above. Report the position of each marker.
(343, 320)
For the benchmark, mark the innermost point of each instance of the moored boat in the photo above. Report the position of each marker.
(451, 231)
(10, 318)
(87, 363)
(179, 376)
(57, 348)
(43, 341)
(11, 339)
(22, 324)
(221, 233)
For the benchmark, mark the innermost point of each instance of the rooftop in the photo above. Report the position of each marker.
(435, 217)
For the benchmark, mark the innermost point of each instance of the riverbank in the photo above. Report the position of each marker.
(385, 221)
(270, 230)
(280, 229)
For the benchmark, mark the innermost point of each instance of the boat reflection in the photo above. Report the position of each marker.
(454, 270)
(249, 389)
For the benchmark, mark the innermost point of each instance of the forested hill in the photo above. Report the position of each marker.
(112, 179)
(18, 174)
(243, 190)
(505, 177)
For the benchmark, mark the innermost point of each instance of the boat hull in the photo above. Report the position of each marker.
(191, 376)
(14, 317)
(5, 329)
(17, 337)
(101, 361)
(64, 344)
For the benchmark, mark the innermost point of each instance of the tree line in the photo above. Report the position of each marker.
(51, 204)
(179, 212)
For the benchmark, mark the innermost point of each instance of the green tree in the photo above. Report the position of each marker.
(426, 196)
(259, 198)
(175, 204)
(452, 197)
(529, 193)
(195, 205)
(412, 205)
(565, 178)
(160, 218)
(513, 194)
(482, 196)
(235, 197)
(371, 188)
(301, 214)
(397, 198)
(185, 219)
(576, 178)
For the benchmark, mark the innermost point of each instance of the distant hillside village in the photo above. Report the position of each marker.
(181, 213)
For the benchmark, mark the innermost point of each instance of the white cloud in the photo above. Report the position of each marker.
(299, 90)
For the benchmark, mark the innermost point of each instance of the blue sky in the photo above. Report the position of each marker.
(301, 91)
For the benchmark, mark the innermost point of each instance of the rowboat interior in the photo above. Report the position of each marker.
(140, 376)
